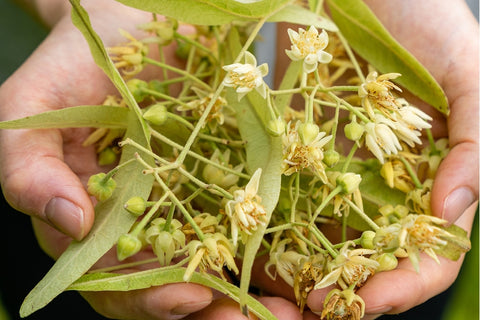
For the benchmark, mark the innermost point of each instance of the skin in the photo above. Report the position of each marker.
(50, 80)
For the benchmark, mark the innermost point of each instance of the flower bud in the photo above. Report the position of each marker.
(366, 240)
(331, 157)
(99, 187)
(107, 156)
(308, 132)
(127, 246)
(136, 206)
(387, 262)
(276, 127)
(349, 182)
(353, 131)
(156, 114)
(135, 86)
(164, 247)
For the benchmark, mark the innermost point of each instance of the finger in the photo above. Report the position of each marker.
(219, 309)
(281, 308)
(167, 302)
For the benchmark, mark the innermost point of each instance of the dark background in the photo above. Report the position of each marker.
(23, 264)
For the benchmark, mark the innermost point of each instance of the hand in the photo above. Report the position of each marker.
(451, 55)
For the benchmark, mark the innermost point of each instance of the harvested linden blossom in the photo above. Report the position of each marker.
(246, 211)
(376, 93)
(343, 305)
(129, 57)
(380, 138)
(350, 267)
(298, 156)
(244, 77)
(213, 253)
(215, 175)
(308, 46)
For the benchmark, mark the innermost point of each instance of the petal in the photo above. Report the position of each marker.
(324, 57)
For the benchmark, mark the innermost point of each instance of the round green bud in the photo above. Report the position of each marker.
(331, 157)
(135, 86)
(183, 49)
(308, 132)
(353, 131)
(349, 182)
(100, 187)
(136, 206)
(156, 114)
(387, 262)
(276, 127)
(106, 157)
(127, 246)
(366, 240)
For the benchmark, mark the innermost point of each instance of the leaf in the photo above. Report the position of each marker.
(161, 276)
(373, 42)
(74, 117)
(213, 12)
(299, 15)
(81, 20)
(111, 221)
(456, 245)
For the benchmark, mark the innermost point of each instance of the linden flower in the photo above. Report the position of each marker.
(308, 46)
(244, 77)
(380, 138)
(397, 176)
(415, 233)
(246, 211)
(375, 93)
(129, 57)
(216, 175)
(341, 305)
(350, 267)
(298, 156)
(213, 253)
(309, 273)
(197, 107)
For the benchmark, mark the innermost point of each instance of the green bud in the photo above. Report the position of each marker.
(136, 206)
(276, 127)
(387, 262)
(331, 157)
(366, 240)
(106, 157)
(99, 187)
(353, 131)
(183, 49)
(349, 182)
(156, 114)
(308, 132)
(164, 247)
(135, 86)
(127, 246)
(158, 86)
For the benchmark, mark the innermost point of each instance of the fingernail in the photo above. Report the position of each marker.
(187, 308)
(66, 217)
(457, 202)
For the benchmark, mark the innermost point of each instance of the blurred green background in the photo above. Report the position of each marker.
(20, 34)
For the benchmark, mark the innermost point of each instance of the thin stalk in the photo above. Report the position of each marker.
(324, 241)
(352, 57)
(362, 214)
(146, 218)
(412, 173)
(349, 158)
(324, 203)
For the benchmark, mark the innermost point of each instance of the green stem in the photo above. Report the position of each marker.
(148, 216)
(352, 57)
(362, 214)
(324, 241)
(431, 141)
(412, 173)
(324, 203)
(349, 157)
(195, 44)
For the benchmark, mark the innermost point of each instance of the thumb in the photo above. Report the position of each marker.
(36, 180)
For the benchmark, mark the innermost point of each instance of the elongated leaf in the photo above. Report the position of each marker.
(75, 117)
(111, 221)
(372, 41)
(161, 276)
(81, 20)
(299, 15)
(208, 12)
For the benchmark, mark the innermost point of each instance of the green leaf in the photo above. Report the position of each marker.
(81, 20)
(162, 276)
(74, 117)
(208, 12)
(373, 42)
(457, 245)
(111, 221)
(299, 15)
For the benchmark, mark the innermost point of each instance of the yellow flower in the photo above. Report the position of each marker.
(350, 267)
(375, 93)
(246, 211)
(129, 57)
(298, 156)
(340, 305)
(198, 106)
(214, 252)
(396, 175)
(309, 46)
(309, 273)
(244, 77)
